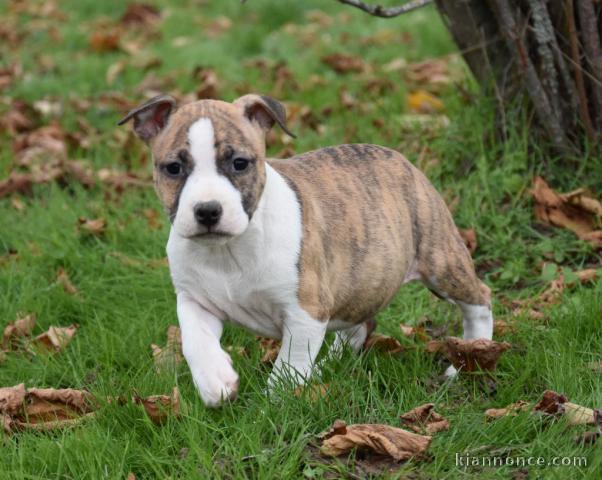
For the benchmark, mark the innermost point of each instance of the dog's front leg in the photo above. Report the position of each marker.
(302, 337)
(211, 367)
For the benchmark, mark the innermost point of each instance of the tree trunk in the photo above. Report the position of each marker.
(545, 51)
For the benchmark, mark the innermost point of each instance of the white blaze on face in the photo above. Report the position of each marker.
(205, 184)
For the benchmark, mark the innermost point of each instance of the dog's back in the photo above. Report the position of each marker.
(357, 202)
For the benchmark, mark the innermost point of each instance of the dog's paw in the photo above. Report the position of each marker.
(450, 372)
(215, 379)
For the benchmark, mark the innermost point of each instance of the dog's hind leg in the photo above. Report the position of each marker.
(448, 270)
(354, 337)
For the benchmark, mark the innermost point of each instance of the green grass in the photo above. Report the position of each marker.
(123, 309)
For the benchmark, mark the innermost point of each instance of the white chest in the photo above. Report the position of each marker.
(253, 279)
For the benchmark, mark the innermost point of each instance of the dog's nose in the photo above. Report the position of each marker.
(208, 213)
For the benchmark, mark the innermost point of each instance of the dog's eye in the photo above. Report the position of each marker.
(173, 168)
(240, 163)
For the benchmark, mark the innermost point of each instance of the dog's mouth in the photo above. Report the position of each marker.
(211, 235)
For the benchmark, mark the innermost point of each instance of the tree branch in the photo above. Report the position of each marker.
(386, 12)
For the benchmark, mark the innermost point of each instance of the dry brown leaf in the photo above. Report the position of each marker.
(383, 343)
(140, 15)
(208, 88)
(576, 211)
(501, 328)
(269, 348)
(169, 356)
(418, 333)
(152, 218)
(12, 399)
(105, 40)
(120, 180)
(380, 439)
(160, 407)
(43, 408)
(65, 281)
(470, 239)
(424, 419)
(17, 330)
(237, 350)
(422, 101)
(55, 338)
(551, 403)
(433, 73)
(470, 355)
(312, 392)
(512, 409)
(578, 415)
(344, 63)
(95, 226)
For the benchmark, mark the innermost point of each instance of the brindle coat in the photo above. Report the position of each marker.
(355, 254)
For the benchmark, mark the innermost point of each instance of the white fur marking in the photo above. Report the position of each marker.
(478, 323)
(205, 184)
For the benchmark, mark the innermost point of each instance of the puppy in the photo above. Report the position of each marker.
(292, 248)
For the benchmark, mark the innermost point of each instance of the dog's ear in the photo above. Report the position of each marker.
(264, 110)
(151, 117)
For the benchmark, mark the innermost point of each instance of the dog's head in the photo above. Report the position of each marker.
(209, 160)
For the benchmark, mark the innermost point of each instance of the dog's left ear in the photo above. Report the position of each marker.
(264, 110)
(151, 117)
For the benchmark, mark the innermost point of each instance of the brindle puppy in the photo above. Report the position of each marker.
(292, 248)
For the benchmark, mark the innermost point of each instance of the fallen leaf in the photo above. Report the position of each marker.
(105, 40)
(63, 279)
(217, 27)
(576, 211)
(238, 350)
(152, 218)
(422, 101)
(432, 73)
(470, 239)
(591, 437)
(95, 227)
(208, 88)
(171, 355)
(12, 399)
(56, 338)
(419, 333)
(140, 15)
(551, 403)
(588, 438)
(160, 407)
(512, 409)
(380, 439)
(578, 415)
(17, 330)
(395, 65)
(312, 392)
(501, 328)
(470, 355)
(269, 348)
(383, 343)
(44, 408)
(120, 180)
(424, 419)
(344, 63)
(17, 204)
